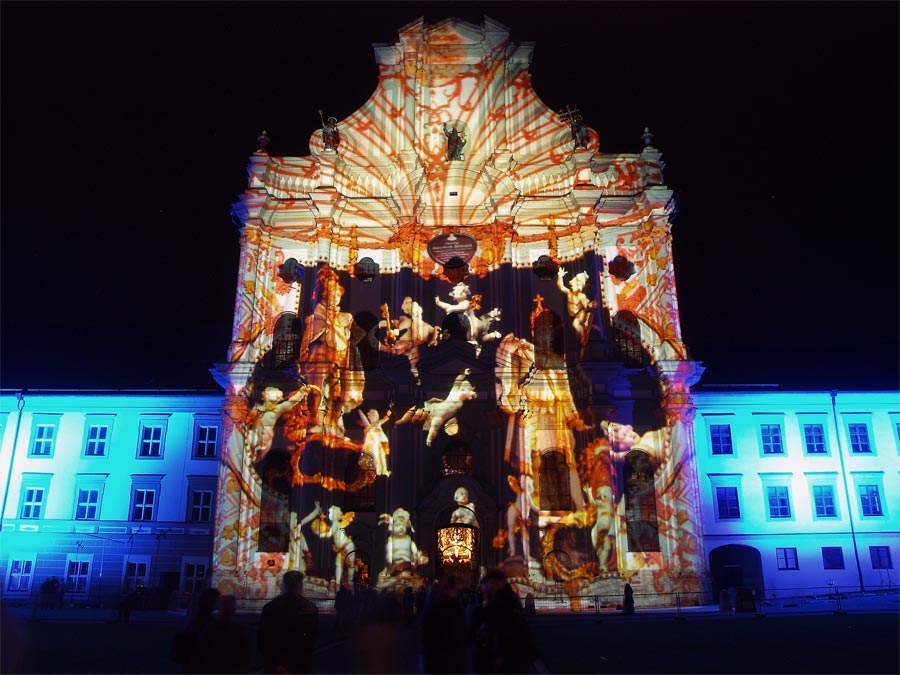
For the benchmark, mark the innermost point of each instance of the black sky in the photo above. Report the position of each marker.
(126, 129)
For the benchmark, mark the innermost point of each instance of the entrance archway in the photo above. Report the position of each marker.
(736, 566)
(457, 549)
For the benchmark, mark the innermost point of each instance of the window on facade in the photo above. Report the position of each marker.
(195, 576)
(859, 438)
(727, 501)
(87, 503)
(779, 501)
(832, 558)
(78, 574)
(20, 573)
(870, 500)
(207, 438)
(151, 442)
(626, 346)
(143, 504)
(881, 558)
(814, 437)
(554, 483)
(771, 439)
(456, 460)
(641, 522)
(97, 439)
(32, 502)
(44, 440)
(136, 572)
(787, 558)
(285, 341)
(823, 499)
(720, 438)
(201, 505)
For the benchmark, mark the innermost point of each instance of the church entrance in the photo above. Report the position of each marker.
(457, 552)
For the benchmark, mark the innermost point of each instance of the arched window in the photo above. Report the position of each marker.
(285, 342)
(640, 503)
(554, 483)
(456, 460)
(626, 339)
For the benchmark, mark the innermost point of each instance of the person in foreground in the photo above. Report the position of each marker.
(288, 627)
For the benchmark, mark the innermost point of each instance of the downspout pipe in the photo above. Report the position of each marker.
(840, 448)
(20, 404)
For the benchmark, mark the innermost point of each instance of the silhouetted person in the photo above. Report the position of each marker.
(506, 644)
(628, 600)
(125, 607)
(185, 642)
(223, 646)
(343, 609)
(287, 629)
(444, 630)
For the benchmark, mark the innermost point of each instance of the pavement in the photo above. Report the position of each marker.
(809, 635)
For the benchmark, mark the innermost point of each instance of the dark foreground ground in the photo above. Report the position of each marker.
(82, 642)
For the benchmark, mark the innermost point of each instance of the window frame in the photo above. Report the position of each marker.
(146, 423)
(816, 502)
(885, 562)
(862, 480)
(97, 421)
(764, 442)
(718, 502)
(784, 556)
(202, 422)
(713, 437)
(29, 560)
(866, 491)
(200, 484)
(198, 583)
(44, 421)
(856, 425)
(827, 564)
(142, 483)
(136, 560)
(88, 482)
(80, 559)
(804, 429)
(34, 481)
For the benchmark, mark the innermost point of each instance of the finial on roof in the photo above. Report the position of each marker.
(262, 141)
(647, 138)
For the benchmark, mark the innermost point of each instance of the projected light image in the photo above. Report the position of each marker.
(455, 265)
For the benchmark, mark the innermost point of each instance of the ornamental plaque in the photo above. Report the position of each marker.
(446, 246)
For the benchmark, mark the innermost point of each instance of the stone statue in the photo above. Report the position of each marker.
(464, 514)
(455, 142)
(401, 553)
(330, 134)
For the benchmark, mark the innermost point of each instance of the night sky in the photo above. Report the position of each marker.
(126, 129)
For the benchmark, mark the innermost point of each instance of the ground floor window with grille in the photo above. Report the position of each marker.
(78, 574)
(137, 571)
(195, 575)
(881, 558)
(832, 558)
(787, 558)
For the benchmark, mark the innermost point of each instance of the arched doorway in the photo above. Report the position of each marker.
(457, 549)
(736, 566)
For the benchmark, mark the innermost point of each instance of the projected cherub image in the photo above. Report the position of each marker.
(376, 443)
(440, 413)
(329, 359)
(578, 305)
(401, 552)
(334, 527)
(262, 418)
(406, 334)
(464, 513)
(465, 305)
(298, 554)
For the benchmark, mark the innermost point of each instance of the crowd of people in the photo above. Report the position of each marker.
(475, 628)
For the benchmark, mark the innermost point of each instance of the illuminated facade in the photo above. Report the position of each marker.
(800, 490)
(458, 289)
(109, 492)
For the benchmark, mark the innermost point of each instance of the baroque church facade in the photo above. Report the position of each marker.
(456, 345)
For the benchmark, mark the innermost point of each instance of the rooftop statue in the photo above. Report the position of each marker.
(455, 142)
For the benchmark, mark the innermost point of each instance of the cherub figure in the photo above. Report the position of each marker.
(262, 418)
(408, 333)
(298, 554)
(468, 304)
(401, 552)
(464, 513)
(601, 500)
(579, 306)
(441, 412)
(376, 443)
(334, 526)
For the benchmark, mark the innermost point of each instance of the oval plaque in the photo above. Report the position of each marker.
(446, 246)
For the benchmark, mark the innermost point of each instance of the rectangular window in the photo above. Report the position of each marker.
(78, 574)
(44, 440)
(779, 501)
(787, 558)
(823, 497)
(814, 436)
(881, 558)
(97, 439)
(136, 573)
(143, 504)
(201, 506)
(207, 439)
(32, 502)
(771, 439)
(859, 438)
(151, 440)
(720, 438)
(832, 558)
(20, 573)
(195, 576)
(87, 504)
(870, 500)
(727, 500)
